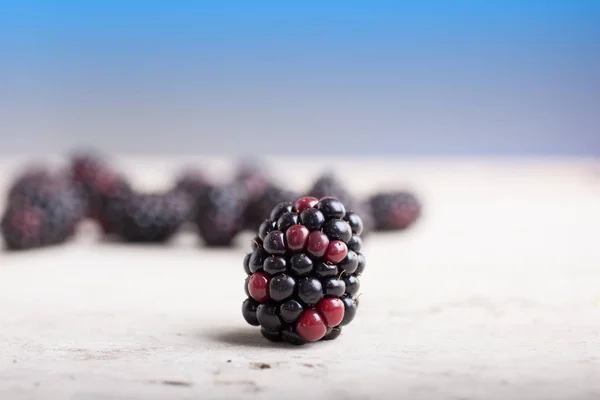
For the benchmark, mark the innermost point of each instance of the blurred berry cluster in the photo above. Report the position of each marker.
(45, 207)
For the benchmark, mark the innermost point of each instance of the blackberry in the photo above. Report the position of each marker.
(193, 182)
(222, 214)
(41, 215)
(302, 282)
(259, 206)
(105, 201)
(329, 184)
(23, 227)
(102, 187)
(253, 175)
(60, 221)
(150, 217)
(394, 210)
(49, 190)
(72, 195)
(107, 208)
(42, 210)
(85, 163)
(29, 180)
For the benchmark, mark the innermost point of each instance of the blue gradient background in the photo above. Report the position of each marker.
(369, 77)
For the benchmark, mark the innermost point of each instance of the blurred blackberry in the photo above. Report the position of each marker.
(253, 175)
(261, 206)
(43, 214)
(193, 182)
(394, 210)
(103, 203)
(32, 177)
(49, 192)
(222, 214)
(86, 165)
(328, 184)
(101, 186)
(302, 278)
(23, 227)
(70, 207)
(148, 217)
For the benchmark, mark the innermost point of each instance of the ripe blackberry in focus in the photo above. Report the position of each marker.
(329, 185)
(102, 186)
(394, 210)
(149, 218)
(260, 206)
(302, 278)
(222, 215)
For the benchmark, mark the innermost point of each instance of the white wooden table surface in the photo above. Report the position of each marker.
(495, 294)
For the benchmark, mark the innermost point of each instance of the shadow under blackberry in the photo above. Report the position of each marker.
(244, 337)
